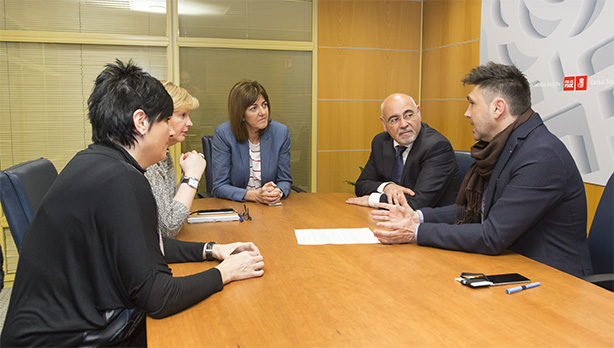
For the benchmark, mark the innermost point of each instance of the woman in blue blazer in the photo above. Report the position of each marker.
(251, 153)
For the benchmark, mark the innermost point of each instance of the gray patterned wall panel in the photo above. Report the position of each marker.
(553, 41)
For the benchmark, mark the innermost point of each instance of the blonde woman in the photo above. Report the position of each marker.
(173, 201)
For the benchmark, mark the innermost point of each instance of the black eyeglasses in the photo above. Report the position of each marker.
(393, 121)
(245, 213)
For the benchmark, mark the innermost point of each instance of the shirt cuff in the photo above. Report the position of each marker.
(374, 199)
(418, 225)
(416, 233)
(420, 215)
(380, 188)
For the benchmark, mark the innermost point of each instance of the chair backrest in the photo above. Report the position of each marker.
(22, 188)
(464, 161)
(207, 151)
(601, 234)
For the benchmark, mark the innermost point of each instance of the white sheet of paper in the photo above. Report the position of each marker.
(335, 236)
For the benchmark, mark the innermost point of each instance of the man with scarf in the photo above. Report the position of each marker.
(523, 193)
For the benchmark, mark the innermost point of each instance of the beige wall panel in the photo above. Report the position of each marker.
(336, 167)
(369, 24)
(447, 116)
(348, 125)
(451, 22)
(366, 74)
(593, 195)
(444, 68)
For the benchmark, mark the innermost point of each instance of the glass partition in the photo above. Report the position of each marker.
(85, 16)
(43, 96)
(246, 19)
(209, 74)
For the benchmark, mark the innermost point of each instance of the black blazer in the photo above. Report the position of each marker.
(430, 169)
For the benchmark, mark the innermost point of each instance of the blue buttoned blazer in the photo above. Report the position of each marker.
(231, 161)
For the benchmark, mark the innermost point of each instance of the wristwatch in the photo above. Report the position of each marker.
(192, 182)
(209, 251)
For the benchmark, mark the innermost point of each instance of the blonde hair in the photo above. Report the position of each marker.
(182, 100)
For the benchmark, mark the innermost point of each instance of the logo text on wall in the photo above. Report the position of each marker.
(575, 83)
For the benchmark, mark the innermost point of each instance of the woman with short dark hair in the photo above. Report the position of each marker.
(92, 261)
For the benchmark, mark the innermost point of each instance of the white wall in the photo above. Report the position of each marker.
(551, 41)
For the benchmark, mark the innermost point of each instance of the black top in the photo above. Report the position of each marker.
(94, 247)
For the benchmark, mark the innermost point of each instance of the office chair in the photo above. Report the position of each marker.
(297, 189)
(601, 240)
(22, 188)
(207, 151)
(464, 161)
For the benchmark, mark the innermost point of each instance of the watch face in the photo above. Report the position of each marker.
(191, 182)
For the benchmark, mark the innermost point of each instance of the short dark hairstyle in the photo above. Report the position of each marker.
(119, 91)
(506, 81)
(243, 94)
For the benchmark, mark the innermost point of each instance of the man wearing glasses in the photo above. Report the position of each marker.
(524, 193)
(410, 158)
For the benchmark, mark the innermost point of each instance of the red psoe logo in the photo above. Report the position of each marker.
(575, 83)
(569, 83)
(581, 82)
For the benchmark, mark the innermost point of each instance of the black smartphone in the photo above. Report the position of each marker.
(509, 278)
(215, 211)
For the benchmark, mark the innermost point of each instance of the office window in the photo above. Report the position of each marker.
(246, 19)
(43, 96)
(209, 74)
(128, 17)
(45, 84)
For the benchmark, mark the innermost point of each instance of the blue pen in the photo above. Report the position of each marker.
(522, 287)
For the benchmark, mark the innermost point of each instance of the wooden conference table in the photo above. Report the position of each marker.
(374, 295)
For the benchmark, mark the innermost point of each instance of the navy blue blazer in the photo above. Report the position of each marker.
(231, 161)
(535, 206)
(430, 169)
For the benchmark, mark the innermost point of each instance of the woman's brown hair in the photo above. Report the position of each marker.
(243, 94)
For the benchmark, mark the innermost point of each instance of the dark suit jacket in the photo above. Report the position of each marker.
(535, 206)
(430, 169)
